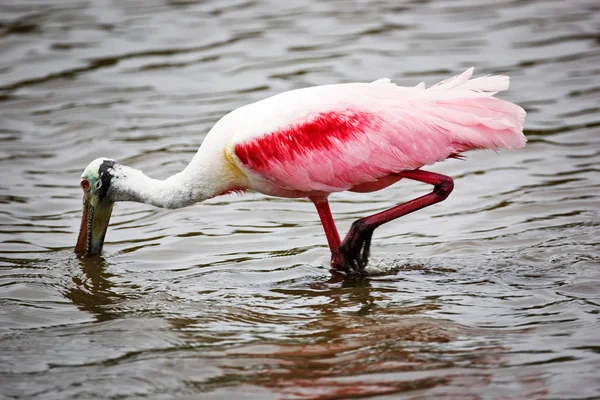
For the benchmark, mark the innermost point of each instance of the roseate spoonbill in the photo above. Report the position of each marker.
(311, 142)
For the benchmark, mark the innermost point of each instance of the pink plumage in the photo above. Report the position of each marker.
(343, 137)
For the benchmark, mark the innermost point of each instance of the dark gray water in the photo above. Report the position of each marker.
(492, 294)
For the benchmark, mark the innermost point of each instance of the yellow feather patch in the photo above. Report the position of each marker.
(233, 165)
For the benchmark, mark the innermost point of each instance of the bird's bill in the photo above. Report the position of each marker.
(94, 223)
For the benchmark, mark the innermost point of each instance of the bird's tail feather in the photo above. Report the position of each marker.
(490, 84)
(466, 109)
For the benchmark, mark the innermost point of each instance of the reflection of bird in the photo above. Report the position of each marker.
(312, 142)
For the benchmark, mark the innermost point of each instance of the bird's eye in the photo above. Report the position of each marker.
(85, 185)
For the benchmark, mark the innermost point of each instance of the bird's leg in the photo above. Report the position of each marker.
(354, 250)
(333, 237)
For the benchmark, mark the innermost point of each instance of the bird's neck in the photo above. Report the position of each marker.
(180, 190)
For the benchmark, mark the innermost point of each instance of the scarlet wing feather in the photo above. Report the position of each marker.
(292, 144)
(328, 152)
(323, 153)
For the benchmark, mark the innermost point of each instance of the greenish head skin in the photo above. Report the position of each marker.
(97, 205)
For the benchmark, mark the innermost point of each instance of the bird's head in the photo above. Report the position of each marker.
(97, 205)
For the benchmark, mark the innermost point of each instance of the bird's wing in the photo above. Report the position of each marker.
(332, 138)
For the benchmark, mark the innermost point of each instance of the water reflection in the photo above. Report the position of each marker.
(93, 290)
(359, 347)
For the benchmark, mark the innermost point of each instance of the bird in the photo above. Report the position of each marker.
(315, 141)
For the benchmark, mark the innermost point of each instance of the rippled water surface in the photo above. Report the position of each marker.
(493, 293)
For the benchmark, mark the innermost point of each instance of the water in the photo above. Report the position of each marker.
(493, 293)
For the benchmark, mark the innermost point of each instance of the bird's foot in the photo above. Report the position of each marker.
(353, 254)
